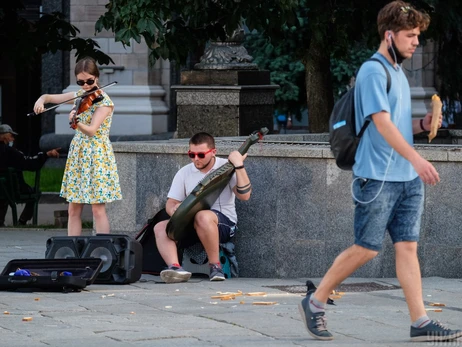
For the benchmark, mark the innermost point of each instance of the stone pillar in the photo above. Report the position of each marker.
(142, 91)
(420, 71)
(224, 102)
(225, 94)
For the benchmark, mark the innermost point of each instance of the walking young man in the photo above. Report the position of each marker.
(389, 177)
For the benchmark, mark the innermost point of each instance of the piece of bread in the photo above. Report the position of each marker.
(436, 111)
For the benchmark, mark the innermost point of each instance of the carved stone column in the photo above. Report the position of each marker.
(225, 94)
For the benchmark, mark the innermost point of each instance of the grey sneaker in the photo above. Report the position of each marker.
(434, 331)
(175, 274)
(216, 273)
(315, 322)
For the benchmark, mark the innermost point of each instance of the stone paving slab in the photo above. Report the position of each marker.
(151, 313)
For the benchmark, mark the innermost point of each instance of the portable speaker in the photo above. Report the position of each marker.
(122, 256)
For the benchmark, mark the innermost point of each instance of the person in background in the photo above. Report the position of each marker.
(282, 123)
(451, 108)
(10, 157)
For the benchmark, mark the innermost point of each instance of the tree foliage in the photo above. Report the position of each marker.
(446, 30)
(24, 40)
(285, 71)
(172, 29)
(345, 68)
(321, 32)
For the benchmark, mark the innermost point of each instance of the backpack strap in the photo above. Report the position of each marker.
(366, 123)
(386, 71)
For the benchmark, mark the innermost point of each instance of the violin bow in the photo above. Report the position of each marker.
(64, 102)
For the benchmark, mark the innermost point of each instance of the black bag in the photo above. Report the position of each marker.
(152, 260)
(342, 127)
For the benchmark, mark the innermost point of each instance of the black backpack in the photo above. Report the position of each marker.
(342, 127)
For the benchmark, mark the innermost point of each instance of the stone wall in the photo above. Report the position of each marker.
(300, 215)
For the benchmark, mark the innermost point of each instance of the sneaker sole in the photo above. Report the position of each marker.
(174, 277)
(433, 338)
(217, 279)
(302, 313)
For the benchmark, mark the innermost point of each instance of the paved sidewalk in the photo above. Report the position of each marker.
(150, 313)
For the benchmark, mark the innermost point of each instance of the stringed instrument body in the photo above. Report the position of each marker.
(207, 191)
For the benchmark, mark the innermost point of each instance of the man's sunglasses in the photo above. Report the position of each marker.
(200, 155)
(89, 82)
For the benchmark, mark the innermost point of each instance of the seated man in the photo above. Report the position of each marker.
(213, 226)
(11, 157)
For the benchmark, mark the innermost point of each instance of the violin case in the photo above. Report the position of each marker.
(50, 275)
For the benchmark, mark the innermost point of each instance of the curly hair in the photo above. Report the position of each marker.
(400, 15)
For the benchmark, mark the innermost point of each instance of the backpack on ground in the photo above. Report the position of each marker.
(342, 127)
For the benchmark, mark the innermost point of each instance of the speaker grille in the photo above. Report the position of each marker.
(65, 252)
(105, 255)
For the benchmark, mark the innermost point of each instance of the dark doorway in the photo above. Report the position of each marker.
(20, 88)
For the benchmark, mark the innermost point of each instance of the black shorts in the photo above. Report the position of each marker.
(226, 230)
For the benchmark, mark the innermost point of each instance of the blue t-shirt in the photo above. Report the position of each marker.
(371, 97)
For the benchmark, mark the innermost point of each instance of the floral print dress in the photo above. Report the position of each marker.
(91, 174)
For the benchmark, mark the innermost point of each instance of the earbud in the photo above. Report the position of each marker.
(389, 34)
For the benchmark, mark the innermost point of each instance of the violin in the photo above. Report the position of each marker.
(83, 103)
(82, 96)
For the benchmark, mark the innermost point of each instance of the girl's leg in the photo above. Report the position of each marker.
(74, 225)
(101, 220)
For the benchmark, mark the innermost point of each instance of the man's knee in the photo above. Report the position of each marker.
(160, 229)
(204, 218)
(406, 247)
(364, 252)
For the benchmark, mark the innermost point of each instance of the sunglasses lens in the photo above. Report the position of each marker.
(201, 155)
(191, 155)
(89, 82)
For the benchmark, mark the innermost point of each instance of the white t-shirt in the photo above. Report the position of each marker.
(187, 178)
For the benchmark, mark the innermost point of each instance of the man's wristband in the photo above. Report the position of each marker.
(238, 167)
(421, 125)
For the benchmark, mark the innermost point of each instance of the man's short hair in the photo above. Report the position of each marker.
(399, 15)
(202, 137)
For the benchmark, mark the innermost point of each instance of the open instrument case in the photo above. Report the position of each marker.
(66, 275)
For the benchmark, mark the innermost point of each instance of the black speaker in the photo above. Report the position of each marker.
(122, 256)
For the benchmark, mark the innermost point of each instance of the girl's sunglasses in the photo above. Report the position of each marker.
(89, 82)
(200, 155)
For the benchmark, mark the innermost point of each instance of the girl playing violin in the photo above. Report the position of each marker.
(90, 176)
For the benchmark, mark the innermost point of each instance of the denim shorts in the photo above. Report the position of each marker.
(398, 208)
(226, 231)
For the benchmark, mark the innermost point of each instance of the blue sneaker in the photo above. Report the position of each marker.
(216, 273)
(315, 322)
(434, 331)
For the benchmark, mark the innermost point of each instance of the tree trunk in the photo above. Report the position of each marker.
(320, 99)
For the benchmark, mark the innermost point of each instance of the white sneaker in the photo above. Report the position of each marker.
(175, 274)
